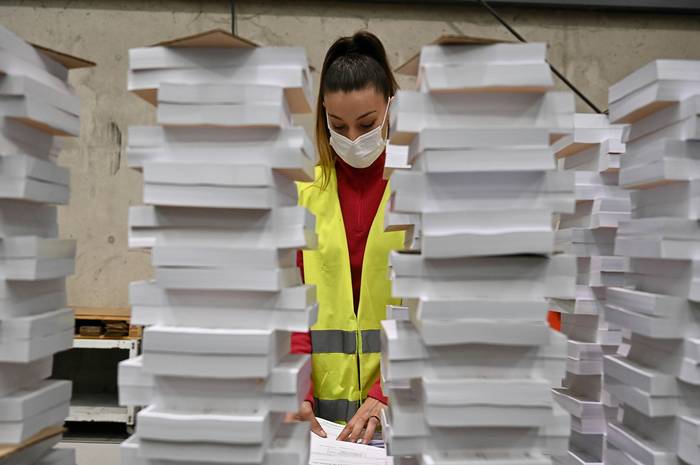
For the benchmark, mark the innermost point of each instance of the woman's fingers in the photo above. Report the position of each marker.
(369, 431)
(358, 427)
(343, 436)
(363, 424)
(317, 429)
(306, 413)
(353, 430)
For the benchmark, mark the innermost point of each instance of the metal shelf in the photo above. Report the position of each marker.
(103, 407)
(132, 345)
(99, 407)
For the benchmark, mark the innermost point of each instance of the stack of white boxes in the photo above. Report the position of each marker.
(593, 152)
(37, 104)
(223, 228)
(469, 375)
(658, 382)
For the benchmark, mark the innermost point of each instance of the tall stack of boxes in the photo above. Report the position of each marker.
(222, 223)
(37, 108)
(657, 381)
(469, 375)
(593, 152)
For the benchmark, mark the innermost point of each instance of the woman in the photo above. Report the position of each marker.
(350, 265)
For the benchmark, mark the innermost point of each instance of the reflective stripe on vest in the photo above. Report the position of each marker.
(372, 340)
(338, 408)
(335, 341)
(345, 347)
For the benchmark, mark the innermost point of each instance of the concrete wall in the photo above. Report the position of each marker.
(594, 49)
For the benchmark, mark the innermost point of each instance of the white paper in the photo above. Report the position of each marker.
(328, 451)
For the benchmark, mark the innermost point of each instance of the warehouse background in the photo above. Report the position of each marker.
(592, 48)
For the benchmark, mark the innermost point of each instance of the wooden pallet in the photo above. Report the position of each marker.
(11, 449)
(84, 315)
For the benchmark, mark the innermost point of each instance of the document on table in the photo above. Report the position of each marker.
(333, 430)
(328, 451)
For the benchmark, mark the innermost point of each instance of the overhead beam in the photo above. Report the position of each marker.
(668, 6)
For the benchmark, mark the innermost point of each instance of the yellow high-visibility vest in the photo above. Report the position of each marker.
(345, 347)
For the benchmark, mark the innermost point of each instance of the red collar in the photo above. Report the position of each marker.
(369, 175)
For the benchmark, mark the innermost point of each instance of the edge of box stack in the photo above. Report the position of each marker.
(593, 153)
(37, 108)
(657, 379)
(470, 371)
(222, 223)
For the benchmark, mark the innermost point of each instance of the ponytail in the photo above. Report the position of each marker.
(351, 63)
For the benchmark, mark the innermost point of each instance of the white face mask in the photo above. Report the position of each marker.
(363, 151)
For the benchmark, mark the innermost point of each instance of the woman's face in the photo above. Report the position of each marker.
(355, 113)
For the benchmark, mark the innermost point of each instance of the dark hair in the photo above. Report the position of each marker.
(351, 63)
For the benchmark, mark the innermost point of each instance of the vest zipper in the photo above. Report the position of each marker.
(360, 202)
(359, 369)
(358, 334)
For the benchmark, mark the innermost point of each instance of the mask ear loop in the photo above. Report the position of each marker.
(386, 120)
(328, 121)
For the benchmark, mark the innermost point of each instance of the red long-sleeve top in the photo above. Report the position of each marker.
(360, 192)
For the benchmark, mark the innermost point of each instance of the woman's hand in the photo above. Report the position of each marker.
(364, 423)
(306, 413)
